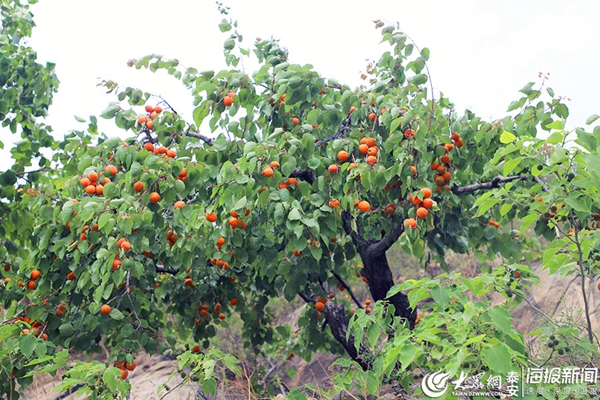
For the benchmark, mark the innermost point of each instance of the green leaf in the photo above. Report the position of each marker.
(591, 119)
(557, 125)
(103, 220)
(372, 383)
(497, 357)
(373, 334)
(511, 165)
(66, 329)
(27, 344)
(294, 215)
(79, 119)
(408, 354)
(507, 137)
(501, 318)
(419, 79)
(116, 314)
(110, 377)
(224, 25)
(441, 295)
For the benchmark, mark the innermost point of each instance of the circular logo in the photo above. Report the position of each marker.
(434, 385)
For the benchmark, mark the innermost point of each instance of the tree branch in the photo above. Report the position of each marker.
(306, 175)
(495, 183)
(347, 224)
(200, 136)
(380, 247)
(163, 270)
(339, 278)
(340, 133)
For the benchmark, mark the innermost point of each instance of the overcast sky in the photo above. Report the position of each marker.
(482, 52)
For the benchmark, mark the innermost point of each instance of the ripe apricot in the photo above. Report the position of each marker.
(150, 125)
(91, 189)
(370, 142)
(93, 176)
(179, 204)
(142, 119)
(334, 203)
(410, 222)
(372, 117)
(422, 212)
(371, 160)
(85, 182)
(149, 108)
(228, 101)
(342, 155)
(297, 253)
(413, 169)
(99, 190)
(105, 309)
(71, 276)
(517, 274)
(427, 203)
(364, 206)
(126, 245)
(211, 217)
(363, 148)
(426, 193)
(130, 367)
(291, 181)
(31, 285)
(333, 168)
(35, 274)
(267, 172)
(319, 306)
(448, 147)
(409, 133)
(233, 222)
(154, 197)
(373, 151)
(445, 159)
(221, 316)
(274, 164)
(447, 175)
(138, 186)
(295, 121)
(171, 153)
(434, 166)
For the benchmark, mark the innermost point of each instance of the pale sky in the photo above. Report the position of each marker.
(482, 52)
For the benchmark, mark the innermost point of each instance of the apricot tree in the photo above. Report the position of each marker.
(302, 185)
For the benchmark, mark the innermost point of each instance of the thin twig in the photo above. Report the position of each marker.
(339, 278)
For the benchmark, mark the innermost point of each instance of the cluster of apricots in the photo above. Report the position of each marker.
(125, 368)
(172, 238)
(37, 328)
(236, 220)
(442, 168)
(228, 99)
(368, 148)
(148, 120)
(422, 204)
(203, 309)
(93, 184)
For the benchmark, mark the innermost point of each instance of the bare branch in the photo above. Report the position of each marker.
(339, 278)
(163, 270)
(495, 183)
(345, 127)
(200, 136)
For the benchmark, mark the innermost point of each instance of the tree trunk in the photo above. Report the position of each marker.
(377, 270)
